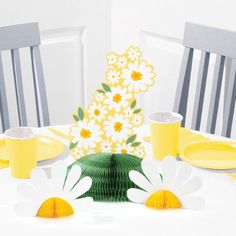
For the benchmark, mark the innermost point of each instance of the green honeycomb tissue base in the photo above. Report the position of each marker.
(110, 175)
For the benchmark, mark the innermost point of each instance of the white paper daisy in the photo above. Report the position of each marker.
(140, 152)
(113, 76)
(117, 98)
(138, 77)
(99, 97)
(133, 53)
(77, 152)
(54, 198)
(97, 111)
(86, 133)
(117, 127)
(124, 148)
(106, 146)
(122, 62)
(128, 113)
(111, 58)
(175, 189)
(137, 119)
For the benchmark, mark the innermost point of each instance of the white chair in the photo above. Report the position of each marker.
(223, 44)
(13, 38)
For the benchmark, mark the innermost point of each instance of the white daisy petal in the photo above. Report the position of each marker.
(26, 209)
(81, 187)
(28, 192)
(190, 186)
(137, 195)
(40, 181)
(72, 178)
(59, 170)
(183, 173)
(82, 203)
(151, 172)
(140, 180)
(168, 170)
(193, 203)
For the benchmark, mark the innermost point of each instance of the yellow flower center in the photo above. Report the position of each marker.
(55, 208)
(123, 151)
(85, 133)
(163, 199)
(117, 98)
(96, 112)
(136, 75)
(118, 126)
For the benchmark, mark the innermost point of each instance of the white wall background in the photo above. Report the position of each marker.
(76, 34)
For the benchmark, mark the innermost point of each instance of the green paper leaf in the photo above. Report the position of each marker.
(81, 113)
(136, 144)
(106, 87)
(137, 111)
(75, 117)
(133, 104)
(131, 139)
(100, 91)
(73, 145)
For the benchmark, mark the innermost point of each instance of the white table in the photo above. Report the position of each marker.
(217, 218)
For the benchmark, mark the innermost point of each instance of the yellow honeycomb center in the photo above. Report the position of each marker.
(163, 199)
(55, 208)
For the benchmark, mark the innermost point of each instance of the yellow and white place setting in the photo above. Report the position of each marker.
(108, 173)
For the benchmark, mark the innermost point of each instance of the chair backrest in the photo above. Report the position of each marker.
(13, 38)
(208, 40)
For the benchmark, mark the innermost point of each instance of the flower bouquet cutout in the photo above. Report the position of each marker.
(110, 122)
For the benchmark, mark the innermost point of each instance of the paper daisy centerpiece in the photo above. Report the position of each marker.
(54, 198)
(167, 187)
(110, 122)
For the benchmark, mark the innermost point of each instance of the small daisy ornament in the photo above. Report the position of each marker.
(170, 188)
(54, 198)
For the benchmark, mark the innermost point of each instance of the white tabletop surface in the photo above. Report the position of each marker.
(217, 218)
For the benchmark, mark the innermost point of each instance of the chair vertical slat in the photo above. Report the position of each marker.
(19, 87)
(3, 100)
(200, 90)
(230, 101)
(35, 87)
(39, 86)
(215, 94)
(181, 97)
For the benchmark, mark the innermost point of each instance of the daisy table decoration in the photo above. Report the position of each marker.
(168, 186)
(54, 198)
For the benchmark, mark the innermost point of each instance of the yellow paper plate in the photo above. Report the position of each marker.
(210, 154)
(48, 148)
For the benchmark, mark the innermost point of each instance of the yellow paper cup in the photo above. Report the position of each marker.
(21, 143)
(165, 127)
